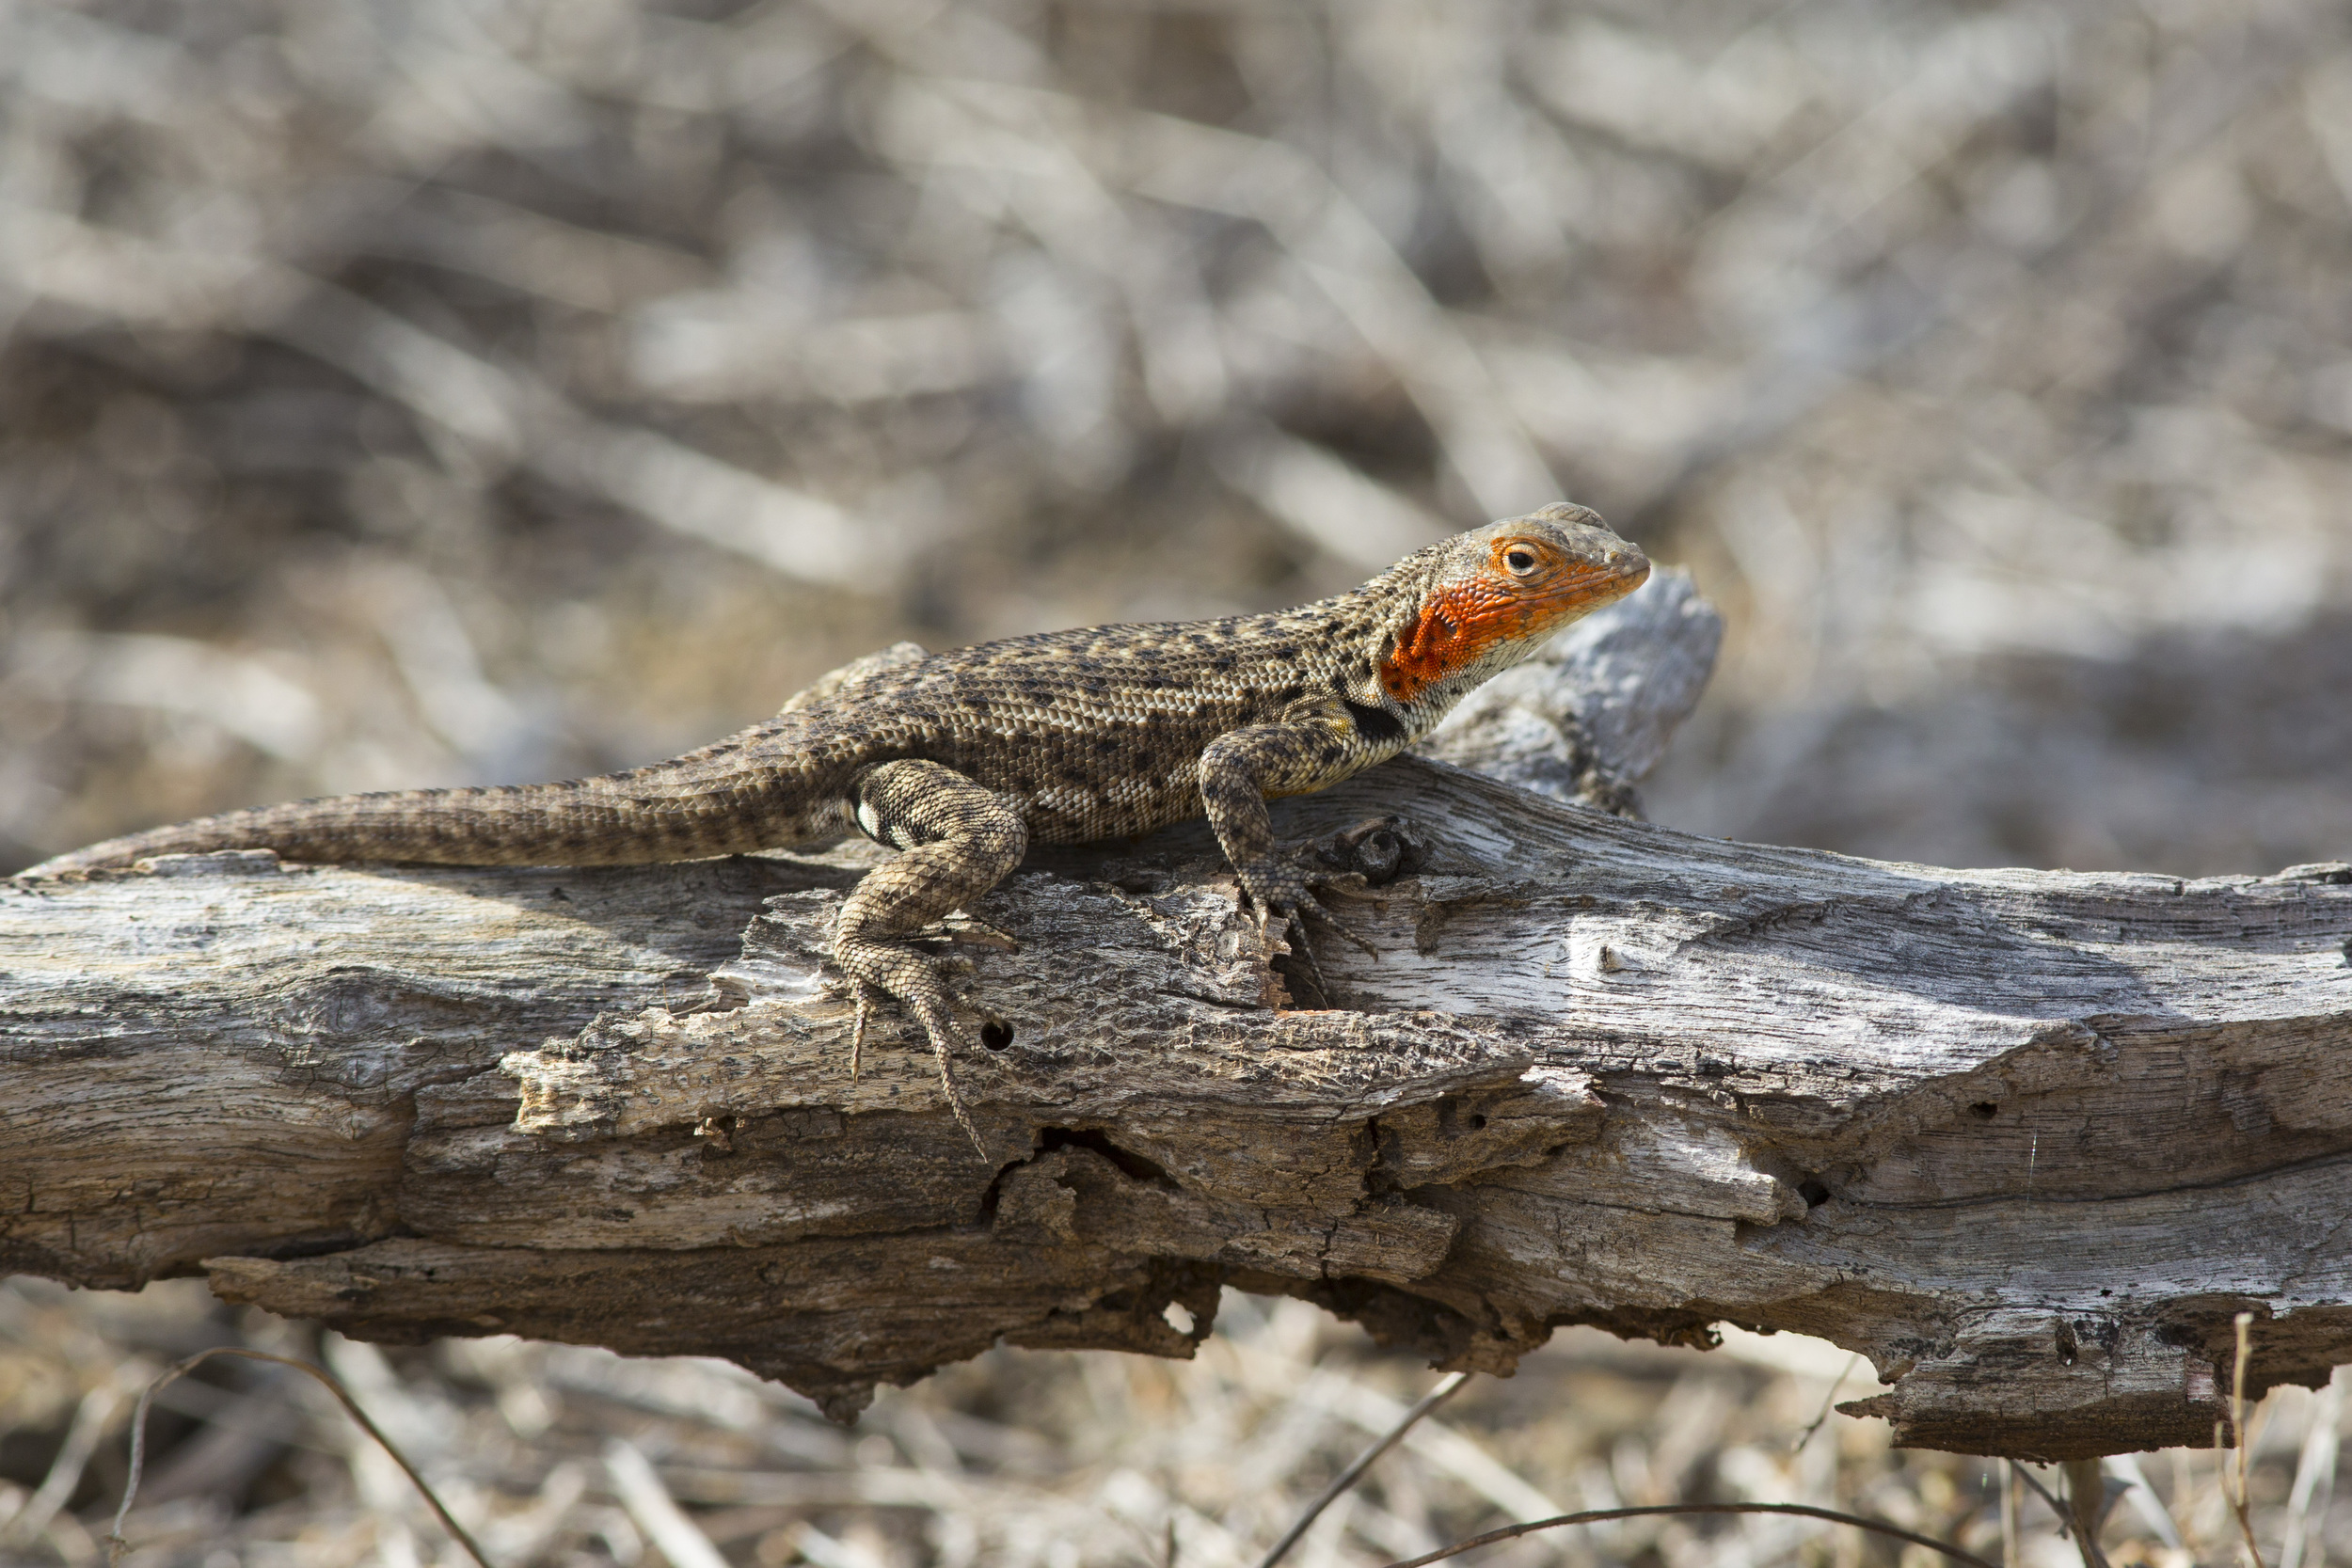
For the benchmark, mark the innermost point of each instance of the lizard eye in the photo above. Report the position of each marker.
(1520, 558)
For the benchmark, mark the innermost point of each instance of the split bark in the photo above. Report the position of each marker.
(2029, 1140)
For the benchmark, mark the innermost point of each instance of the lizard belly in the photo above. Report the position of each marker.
(1081, 814)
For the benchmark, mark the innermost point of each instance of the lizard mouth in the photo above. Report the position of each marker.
(1588, 585)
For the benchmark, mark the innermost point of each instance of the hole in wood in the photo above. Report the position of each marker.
(1984, 1108)
(1813, 1192)
(995, 1034)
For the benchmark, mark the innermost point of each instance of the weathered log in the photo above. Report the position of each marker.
(2029, 1140)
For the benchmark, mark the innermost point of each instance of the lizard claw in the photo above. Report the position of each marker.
(1284, 912)
(1294, 932)
(857, 1032)
(941, 1027)
(1341, 927)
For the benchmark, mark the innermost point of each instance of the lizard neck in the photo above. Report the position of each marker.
(1414, 646)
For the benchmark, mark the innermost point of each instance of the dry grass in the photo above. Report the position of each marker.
(493, 389)
(1021, 1458)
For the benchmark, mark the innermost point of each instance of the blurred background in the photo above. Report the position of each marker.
(489, 389)
(475, 390)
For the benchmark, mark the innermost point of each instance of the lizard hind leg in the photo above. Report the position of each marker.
(958, 841)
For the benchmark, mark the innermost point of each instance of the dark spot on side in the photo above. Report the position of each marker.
(1338, 683)
(1290, 693)
(1376, 724)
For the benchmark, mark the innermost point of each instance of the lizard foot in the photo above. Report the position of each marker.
(1285, 901)
(1351, 864)
(915, 984)
(1318, 911)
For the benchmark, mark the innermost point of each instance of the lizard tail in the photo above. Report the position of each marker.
(685, 809)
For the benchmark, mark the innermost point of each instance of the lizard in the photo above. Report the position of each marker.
(961, 760)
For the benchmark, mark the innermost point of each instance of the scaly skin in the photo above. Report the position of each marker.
(964, 759)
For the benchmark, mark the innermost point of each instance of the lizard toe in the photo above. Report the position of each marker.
(1318, 912)
(946, 1037)
(1297, 931)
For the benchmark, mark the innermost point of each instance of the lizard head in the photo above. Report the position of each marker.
(1492, 596)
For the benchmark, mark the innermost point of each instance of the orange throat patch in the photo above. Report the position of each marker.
(1460, 624)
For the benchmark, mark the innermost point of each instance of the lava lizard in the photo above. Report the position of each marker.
(961, 760)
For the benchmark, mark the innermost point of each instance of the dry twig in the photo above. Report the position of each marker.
(1446, 1388)
(116, 1544)
(2241, 1494)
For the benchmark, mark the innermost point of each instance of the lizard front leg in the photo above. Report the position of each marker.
(1240, 771)
(959, 841)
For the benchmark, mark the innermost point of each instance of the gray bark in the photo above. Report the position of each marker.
(2029, 1140)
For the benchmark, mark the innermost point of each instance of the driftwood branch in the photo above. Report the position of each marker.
(2028, 1140)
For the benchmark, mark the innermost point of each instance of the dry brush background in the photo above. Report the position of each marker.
(474, 389)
